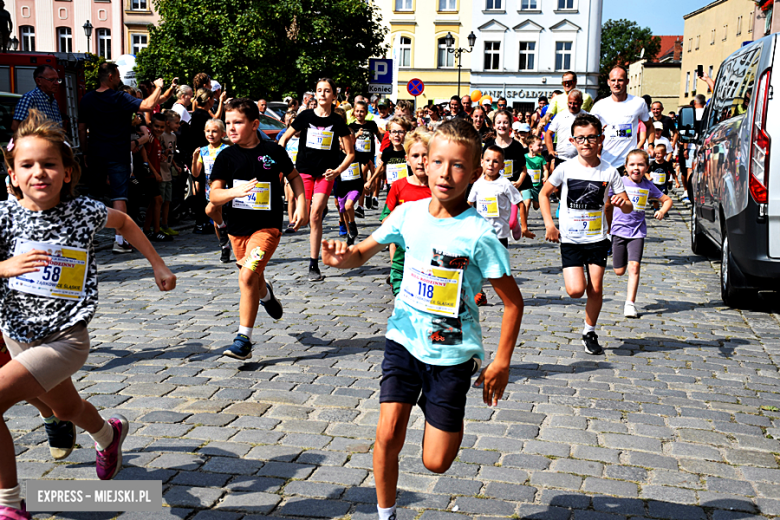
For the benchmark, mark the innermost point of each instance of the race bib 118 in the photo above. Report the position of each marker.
(431, 289)
(63, 278)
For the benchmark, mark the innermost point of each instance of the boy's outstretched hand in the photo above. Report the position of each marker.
(334, 252)
(494, 379)
(164, 278)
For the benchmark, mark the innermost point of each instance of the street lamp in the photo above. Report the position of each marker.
(449, 40)
(14, 43)
(88, 31)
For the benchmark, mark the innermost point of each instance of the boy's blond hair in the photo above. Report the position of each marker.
(215, 122)
(171, 115)
(420, 135)
(400, 121)
(461, 131)
(661, 144)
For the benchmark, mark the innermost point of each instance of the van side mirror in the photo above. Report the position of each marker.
(686, 124)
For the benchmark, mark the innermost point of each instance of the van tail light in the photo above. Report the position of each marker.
(760, 141)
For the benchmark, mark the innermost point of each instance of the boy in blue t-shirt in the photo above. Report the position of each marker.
(434, 340)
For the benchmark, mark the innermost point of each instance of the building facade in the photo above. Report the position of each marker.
(416, 37)
(524, 46)
(711, 34)
(119, 26)
(659, 78)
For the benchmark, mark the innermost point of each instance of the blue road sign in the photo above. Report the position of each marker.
(381, 71)
(415, 87)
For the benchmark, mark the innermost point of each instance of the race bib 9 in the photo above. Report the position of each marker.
(259, 199)
(509, 168)
(395, 172)
(63, 278)
(536, 176)
(319, 139)
(638, 197)
(363, 145)
(488, 207)
(352, 173)
(585, 223)
(431, 289)
(658, 177)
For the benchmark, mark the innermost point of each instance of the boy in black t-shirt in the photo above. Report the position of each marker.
(249, 175)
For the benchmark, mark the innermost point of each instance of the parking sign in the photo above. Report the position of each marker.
(381, 71)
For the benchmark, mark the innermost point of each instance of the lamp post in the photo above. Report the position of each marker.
(449, 40)
(14, 43)
(88, 31)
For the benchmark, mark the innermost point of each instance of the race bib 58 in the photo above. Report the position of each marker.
(63, 278)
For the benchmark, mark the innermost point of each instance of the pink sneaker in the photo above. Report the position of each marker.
(9, 513)
(517, 232)
(109, 461)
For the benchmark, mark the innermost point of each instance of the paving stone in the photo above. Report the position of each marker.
(313, 489)
(610, 487)
(314, 508)
(567, 499)
(256, 502)
(453, 486)
(675, 495)
(484, 506)
(556, 480)
(190, 496)
(541, 512)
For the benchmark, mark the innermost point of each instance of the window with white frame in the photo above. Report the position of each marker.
(28, 37)
(563, 55)
(104, 43)
(698, 38)
(64, 39)
(139, 5)
(403, 5)
(446, 59)
(750, 25)
(405, 51)
(739, 25)
(690, 44)
(565, 5)
(448, 5)
(494, 5)
(712, 37)
(527, 56)
(140, 41)
(529, 5)
(725, 32)
(687, 82)
(492, 55)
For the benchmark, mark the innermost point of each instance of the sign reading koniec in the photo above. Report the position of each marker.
(380, 80)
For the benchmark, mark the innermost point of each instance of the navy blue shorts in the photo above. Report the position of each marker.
(439, 390)
(118, 174)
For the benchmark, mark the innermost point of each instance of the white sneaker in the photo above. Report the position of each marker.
(629, 310)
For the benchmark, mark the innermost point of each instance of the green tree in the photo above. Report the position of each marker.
(91, 65)
(622, 42)
(264, 47)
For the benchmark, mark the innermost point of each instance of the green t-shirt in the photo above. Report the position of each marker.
(535, 168)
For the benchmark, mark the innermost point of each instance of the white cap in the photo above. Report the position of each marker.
(215, 85)
(523, 127)
(516, 125)
(658, 125)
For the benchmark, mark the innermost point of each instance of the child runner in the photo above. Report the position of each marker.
(365, 145)
(493, 196)
(168, 145)
(203, 161)
(250, 175)
(48, 282)
(411, 188)
(584, 186)
(152, 156)
(292, 151)
(661, 170)
(536, 174)
(318, 160)
(434, 340)
(392, 162)
(629, 229)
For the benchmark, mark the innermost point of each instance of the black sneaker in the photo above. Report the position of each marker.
(375, 202)
(290, 229)
(273, 306)
(223, 236)
(591, 343)
(62, 438)
(199, 229)
(225, 256)
(314, 274)
(352, 233)
(160, 237)
(240, 349)
(359, 212)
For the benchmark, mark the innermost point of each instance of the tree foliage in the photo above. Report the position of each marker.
(264, 48)
(622, 42)
(91, 65)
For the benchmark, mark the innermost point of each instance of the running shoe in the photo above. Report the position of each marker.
(222, 234)
(342, 230)
(273, 306)
(375, 202)
(62, 438)
(240, 349)
(629, 310)
(591, 343)
(360, 212)
(352, 233)
(199, 229)
(480, 299)
(314, 274)
(9, 513)
(170, 232)
(290, 229)
(122, 248)
(109, 461)
(224, 257)
(160, 237)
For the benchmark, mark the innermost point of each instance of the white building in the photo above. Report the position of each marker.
(523, 47)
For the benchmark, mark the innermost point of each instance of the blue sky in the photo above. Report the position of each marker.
(662, 16)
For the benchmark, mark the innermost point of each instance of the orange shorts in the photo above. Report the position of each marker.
(254, 251)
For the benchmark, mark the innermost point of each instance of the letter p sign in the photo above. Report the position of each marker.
(381, 71)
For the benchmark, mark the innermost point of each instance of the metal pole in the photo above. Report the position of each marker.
(459, 56)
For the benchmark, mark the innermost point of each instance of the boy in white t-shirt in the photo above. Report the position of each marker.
(585, 184)
(493, 197)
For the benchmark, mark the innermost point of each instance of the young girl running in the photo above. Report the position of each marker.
(392, 162)
(48, 282)
(318, 160)
(203, 161)
(629, 229)
(366, 133)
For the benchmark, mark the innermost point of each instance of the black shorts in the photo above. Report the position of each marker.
(580, 255)
(625, 250)
(661, 188)
(439, 390)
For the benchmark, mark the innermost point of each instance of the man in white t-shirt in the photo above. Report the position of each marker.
(620, 114)
(585, 183)
(561, 127)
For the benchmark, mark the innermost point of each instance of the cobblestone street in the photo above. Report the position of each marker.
(680, 420)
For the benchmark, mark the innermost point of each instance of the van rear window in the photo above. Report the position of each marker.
(734, 89)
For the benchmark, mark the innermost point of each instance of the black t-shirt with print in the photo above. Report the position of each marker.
(266, 162)
(391, 156)
(312, 160)
(367, 133)
(667, 167)
(515, 152)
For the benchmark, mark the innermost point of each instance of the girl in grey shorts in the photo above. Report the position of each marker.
(48, 290)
